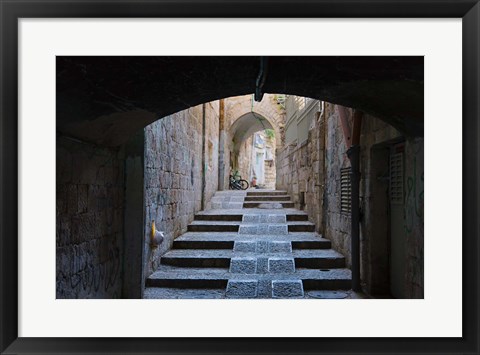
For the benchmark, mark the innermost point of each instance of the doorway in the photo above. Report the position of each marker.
(398, 238)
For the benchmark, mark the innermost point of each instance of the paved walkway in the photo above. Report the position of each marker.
(251, 244)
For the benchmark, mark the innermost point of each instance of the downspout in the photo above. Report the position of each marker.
(261, 78)
(345, 126)
(353, 154)
(324, 202)
(253, 161)
(203, 157)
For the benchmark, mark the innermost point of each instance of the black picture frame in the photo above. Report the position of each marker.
(11, 11)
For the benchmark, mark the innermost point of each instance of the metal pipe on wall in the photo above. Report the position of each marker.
(203, 156)
(352, 140)
(221, 144)
(354, 155)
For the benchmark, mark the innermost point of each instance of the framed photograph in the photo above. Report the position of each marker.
(221, 177)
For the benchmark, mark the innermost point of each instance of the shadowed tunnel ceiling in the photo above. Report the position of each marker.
(105, 100)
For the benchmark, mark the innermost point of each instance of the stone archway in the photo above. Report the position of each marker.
(268, 109)
(243, 118)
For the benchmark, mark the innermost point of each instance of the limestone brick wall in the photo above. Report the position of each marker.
(89, 220)
(270, 174)
(270, 165)
(245, 159)
(299, 172)
(211, 149)
(337, 224)
(173, 174)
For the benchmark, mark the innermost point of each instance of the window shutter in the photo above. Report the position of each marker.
(346, 190)
(396, 178)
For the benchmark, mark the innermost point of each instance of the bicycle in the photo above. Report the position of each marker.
(238, 184)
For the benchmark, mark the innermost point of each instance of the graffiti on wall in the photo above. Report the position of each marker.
(88, 276)
(414, 198)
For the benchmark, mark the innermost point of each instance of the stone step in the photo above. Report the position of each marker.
(225, 244)
(203, 244)
(251, 228)
(269, 204)
(218, 217)
(240, 217)
(182, 293)
(219, 240)
(266, 198)
(241, 211)
(297, 217)
(291, 288)
(221, 258)
(198, 278)
(266, 193)
(223, 216)
(213, 227)
(226, 205)
(301, 227)
(179, 293)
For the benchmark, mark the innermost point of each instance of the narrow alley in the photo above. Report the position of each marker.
(240, 177)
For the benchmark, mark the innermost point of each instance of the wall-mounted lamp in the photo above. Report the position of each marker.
(156, 237)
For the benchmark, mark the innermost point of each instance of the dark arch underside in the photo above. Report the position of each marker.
(105, 100)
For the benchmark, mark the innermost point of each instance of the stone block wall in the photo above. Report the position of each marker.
(414, 217)
(270, 174)
(211, 150)
(337, 224)
(299, 172)
(270, 165)
(89, 220)
(245, 159)
(173, 174)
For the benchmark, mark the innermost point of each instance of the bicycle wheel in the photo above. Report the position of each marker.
(234, 185)
(243, 184)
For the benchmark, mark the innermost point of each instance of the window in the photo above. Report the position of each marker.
(300, 101)
(268, 154)
(259, 141)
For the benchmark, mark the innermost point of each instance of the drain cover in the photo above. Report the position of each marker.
(327, 294)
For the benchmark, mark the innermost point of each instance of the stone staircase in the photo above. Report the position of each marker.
(251, 244)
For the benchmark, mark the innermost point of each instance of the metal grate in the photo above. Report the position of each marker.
(345, 190)
(396, 178)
